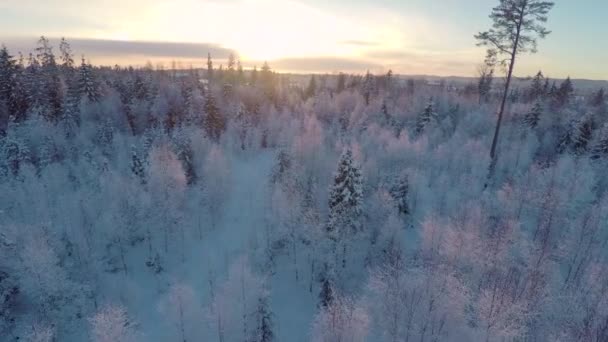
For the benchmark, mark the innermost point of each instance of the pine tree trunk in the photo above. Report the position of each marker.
(493, 156)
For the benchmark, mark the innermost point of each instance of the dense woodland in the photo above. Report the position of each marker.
(230, 205)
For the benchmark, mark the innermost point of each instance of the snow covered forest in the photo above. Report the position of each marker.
(226, 205)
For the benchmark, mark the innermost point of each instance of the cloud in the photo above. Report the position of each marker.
(119, 50)
(324, 64)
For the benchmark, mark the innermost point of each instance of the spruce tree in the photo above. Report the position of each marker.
(209, 68)
(600, 150)
(341, 85)
(87, 84)
(265, 323)
(599, 99)
(399, 192)
(51, 99)
(368, 87)
(583, 135)
(484, 85)
(214, 123)
(532, 118)
(427, 117)
(7, 74)
(137, 166)
(536, 90)
(312, 88)
(564, 93)
(346, 198)
(67, 57)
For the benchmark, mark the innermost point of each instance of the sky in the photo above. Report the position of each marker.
(432, 37)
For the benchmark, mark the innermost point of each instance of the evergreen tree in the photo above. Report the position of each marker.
(546, 86)
(583, 135)
(87, 84)
(137, 166)
(326, 294)
(185, 156)
(427, 117)
(341, 83)
(600, 150)
(399, 192)
(267, 80)
(532, 117)
(17, 103)
(214, 123)
(312, 88)
(537, 88)
(346, 198)
(209, 67)
(265, 325)
(231, 71)
(139, 88)
(564, 93)
(49, 80)
(33, 86)
(7, 74)
(368, 87)
(67, 57)
(484, 85)
(599, 99)
(7, 86)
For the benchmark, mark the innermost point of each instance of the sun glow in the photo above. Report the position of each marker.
(258, 29)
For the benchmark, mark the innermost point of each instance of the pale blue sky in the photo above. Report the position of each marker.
(409, 36)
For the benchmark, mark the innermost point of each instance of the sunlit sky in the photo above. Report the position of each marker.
(432, 37)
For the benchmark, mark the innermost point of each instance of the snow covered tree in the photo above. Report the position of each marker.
(368, 87)
(326, 295)
(484, 85)
(532, 117)
(67, 57)
(137, 166)
(600, 150)
(427, 117)
(214, 122)
(49, 81)
(112, 324)
(87, 84)
(599, 98)
(311, 90)
(341, 85)
(265, 328)
(346, 198)
(582, 135)
(399, 191)
(209, 67)
(564, 93)
(7, 74)
(345, 205)
(536, 91)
